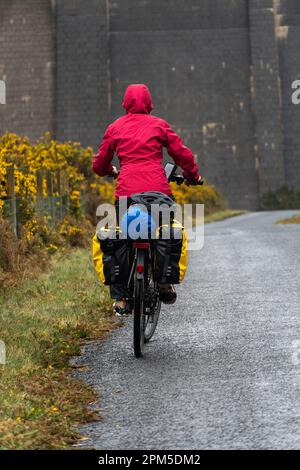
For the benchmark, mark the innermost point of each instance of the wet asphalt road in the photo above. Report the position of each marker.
(221, 371)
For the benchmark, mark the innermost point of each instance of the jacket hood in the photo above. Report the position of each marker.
(137, 99)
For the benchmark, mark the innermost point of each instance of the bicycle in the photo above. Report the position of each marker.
(144, 296)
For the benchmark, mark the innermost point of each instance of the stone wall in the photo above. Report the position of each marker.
(220, 72)
(27, 65)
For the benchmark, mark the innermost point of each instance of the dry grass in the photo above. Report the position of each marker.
(222, 215)
(292, 220)
(19, 259)
(43, 324)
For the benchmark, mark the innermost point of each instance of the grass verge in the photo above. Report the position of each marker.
(43, 322)
(295, 219)
(222, 215)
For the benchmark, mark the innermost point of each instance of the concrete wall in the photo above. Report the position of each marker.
(195, 57)
(27, 65)
(266, 96)
(288, 40)
(220, 72)
(82, 87)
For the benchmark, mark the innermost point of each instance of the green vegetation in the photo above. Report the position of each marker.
(282, 199)
(43, 324)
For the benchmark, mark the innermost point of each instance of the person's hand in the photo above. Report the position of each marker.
(114, 173)
(198, 182)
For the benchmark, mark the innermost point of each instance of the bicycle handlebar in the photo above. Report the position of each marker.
(178, 179)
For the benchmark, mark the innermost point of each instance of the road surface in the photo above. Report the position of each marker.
(222, 371)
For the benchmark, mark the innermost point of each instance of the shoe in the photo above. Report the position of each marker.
(121, 311)
(167, 294)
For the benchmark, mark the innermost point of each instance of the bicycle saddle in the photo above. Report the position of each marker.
(152, 197)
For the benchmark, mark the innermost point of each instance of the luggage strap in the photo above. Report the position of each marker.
(168, 257)
(112, 268)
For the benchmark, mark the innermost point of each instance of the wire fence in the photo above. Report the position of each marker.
(52, 199)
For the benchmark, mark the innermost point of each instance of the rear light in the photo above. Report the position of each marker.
(140, 268)
(141, 245)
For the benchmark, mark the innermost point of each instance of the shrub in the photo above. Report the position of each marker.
(97, 194)
(284, 198)
(18, 258)
(206, 194)
(47, 154)
(75, 234)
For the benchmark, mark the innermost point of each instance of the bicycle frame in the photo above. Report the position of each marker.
(142, 289)
(138, 264)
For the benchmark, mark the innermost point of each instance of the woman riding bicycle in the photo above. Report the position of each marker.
(138, 139)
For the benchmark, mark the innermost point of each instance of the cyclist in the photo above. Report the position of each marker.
(138, 139)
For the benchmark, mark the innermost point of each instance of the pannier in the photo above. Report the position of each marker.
(170, 254)
(111, 256)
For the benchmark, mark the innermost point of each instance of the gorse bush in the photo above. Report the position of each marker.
(46, 154)
(99, 191)
(284, 198)
(207, 195)
(38, 233)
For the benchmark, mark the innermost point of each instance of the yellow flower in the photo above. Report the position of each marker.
(52, 249)
(54, 409)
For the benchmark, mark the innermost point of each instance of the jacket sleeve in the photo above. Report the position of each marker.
(102, 161)
(181, 154)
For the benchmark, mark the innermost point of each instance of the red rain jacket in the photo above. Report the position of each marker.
(139, 138)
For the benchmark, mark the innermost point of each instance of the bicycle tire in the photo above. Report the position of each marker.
(138, 313)
(148, 334)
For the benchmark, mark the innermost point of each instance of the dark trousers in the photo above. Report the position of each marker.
(119, 291)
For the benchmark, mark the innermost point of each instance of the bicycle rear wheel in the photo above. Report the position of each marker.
(152, 320)
(138, 311)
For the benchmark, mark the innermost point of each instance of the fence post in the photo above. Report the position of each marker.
(59, 184)
(49, 182)
(64, 181)
(11, 195)
(39, 195)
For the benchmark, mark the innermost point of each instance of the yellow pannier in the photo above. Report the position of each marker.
(171, 254)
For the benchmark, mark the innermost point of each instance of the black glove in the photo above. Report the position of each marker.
(199, 182)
